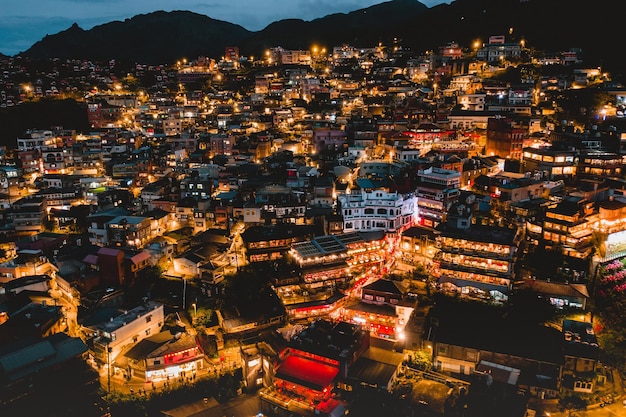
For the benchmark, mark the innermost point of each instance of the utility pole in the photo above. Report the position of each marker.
(236, 255)
(108, 396)
(108, 369)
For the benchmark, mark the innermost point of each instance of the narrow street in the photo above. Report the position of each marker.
(138, 386)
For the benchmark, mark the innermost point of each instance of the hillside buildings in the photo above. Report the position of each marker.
(351, 186)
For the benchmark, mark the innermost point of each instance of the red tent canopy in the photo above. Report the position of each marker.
(307, 372)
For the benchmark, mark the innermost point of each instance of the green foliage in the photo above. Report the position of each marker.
(421, 360)
(420, 273)
(203, 317)
(126, 404)
(544, 262)
(581, 104)
(152, 273)
(526, 308)
(222, 388)
(48, 224)
(610, 302)
(80, 212)
(41, 114)
(393, 277)
(246, 287)
(598, 240)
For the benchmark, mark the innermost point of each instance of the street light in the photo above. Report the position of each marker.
(429, 347)
(195, 312)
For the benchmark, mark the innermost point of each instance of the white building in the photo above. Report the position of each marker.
(520, 96)
(376, 209)
(474, 102)
(460, 83)
(497, 51)
(127, 329)
(37, 140)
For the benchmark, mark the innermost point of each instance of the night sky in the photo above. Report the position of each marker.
(24, 22)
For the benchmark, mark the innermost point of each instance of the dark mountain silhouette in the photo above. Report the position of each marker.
(364, 27)
(158, 37)
(162, 37)
(41, 114)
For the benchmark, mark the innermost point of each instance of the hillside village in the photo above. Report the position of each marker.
(321, 228)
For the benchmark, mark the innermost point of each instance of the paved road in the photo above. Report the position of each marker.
(245, 405)
(613, 410)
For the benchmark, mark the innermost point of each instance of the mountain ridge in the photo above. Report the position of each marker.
(163, 37)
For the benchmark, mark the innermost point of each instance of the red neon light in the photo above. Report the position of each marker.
(308, 371)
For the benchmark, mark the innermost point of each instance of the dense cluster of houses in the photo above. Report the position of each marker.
(345, 166)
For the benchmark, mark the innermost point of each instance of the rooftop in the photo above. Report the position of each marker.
(479, 233)
(127, 317)
(328, 339)
(307, 372)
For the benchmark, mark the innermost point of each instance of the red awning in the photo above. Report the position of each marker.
(307, 372)
(309, 308)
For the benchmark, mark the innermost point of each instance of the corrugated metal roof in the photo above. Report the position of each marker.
(148, 345)
(26, 356)
(140, 257)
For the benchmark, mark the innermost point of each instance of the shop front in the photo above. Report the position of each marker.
(174, 371)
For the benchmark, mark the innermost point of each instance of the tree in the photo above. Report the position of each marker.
(581, 104)
(246, 288)
(49, 223)
(421, 359)
(421, 274)
(526, 308)
(544, 262)
(393, 277)
(80, 213)
(598, 240)
(204, 317)
(152, 273)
